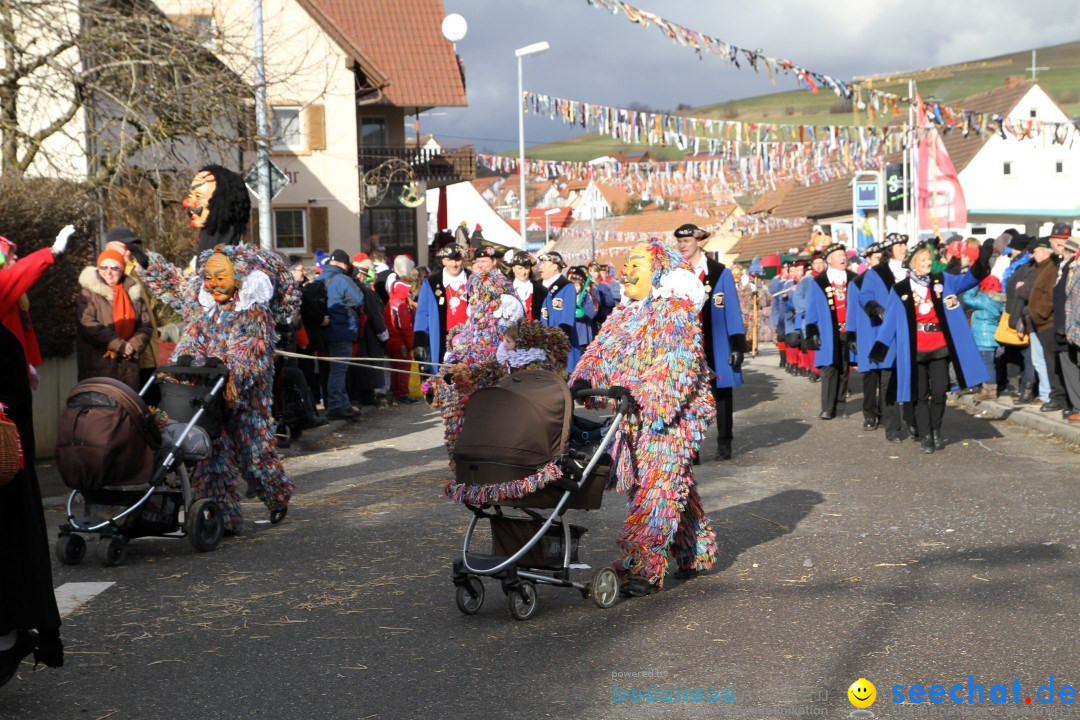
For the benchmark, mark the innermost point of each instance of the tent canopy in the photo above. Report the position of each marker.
(465, 203)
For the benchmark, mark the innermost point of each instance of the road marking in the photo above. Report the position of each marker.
(70, 596)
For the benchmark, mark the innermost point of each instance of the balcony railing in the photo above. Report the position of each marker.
(435, 167)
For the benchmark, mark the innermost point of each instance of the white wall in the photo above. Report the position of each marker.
(1033, 186)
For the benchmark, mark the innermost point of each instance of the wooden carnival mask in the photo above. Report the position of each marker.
(636, 277)
(219, 278)
(197, 202)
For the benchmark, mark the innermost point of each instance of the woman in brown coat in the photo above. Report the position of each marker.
(114, 321)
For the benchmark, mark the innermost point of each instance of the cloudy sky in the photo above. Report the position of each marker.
(604, 58)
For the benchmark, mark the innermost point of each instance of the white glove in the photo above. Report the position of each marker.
(60, 245)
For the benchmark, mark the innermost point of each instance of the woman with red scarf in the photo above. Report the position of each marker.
(114, 321)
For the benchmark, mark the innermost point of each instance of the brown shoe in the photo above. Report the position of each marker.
(1074, 418)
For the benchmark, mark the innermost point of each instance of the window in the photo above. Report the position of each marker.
(373, 132)
(290, 231)
(395, 225)
(1033, 113)
(1059, 167)
(285, 127)
(1006, 169)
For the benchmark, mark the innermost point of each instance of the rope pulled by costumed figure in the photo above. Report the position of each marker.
(651, 345)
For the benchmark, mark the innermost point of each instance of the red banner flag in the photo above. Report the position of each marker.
(941, 204)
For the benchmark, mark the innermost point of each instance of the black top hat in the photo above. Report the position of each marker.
(122, 235)
(1019, 242)
(691, 230)
(451, 251)
(522, 258)
(553, 257)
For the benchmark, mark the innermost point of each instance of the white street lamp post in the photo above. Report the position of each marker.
(534, 49)
(547, 228)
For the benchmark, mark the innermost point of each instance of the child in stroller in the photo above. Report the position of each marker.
(521, 449)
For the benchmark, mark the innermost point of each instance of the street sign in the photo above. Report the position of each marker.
(894, 187)
(278, 180)
(866, 195)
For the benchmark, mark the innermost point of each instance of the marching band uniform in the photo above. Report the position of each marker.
(826, 332)
(560, 307)
(776, 316)
(878, 378)
(926, 325)
(441, 306)
(530, 292)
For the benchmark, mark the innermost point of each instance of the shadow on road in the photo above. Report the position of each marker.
(741, 527)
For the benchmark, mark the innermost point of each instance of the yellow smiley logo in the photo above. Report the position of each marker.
(862, 693)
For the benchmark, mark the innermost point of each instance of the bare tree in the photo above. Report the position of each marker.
(119, 94)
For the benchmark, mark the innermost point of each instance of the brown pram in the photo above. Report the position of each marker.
(521, 450)
(133, 477)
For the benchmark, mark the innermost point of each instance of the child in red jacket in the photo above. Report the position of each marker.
(399, 346)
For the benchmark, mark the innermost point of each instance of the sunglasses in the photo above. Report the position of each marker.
(110, 268)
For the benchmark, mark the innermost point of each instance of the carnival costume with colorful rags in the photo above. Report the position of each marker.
(653, 348)
(239, 329)
(473, 346)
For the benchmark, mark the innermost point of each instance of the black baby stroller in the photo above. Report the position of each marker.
(133, 477)
(512, 432)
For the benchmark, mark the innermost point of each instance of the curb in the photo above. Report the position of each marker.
(996, 410)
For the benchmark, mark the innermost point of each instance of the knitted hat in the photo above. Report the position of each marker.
(111, 255)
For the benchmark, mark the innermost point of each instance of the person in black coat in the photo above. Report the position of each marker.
(366, 385)
(529, 291)
(314, 316)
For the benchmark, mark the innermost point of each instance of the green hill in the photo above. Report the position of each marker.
(947, 83)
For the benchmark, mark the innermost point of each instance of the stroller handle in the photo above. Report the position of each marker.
(617, 393)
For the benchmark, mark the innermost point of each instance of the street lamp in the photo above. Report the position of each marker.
(534, 49)
(547, 230)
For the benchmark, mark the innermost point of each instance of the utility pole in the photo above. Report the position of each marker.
(262, 160)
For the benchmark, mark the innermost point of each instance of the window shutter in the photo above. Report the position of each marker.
(316, 127)
(319, 219)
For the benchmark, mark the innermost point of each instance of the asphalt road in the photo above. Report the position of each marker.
(842, 557)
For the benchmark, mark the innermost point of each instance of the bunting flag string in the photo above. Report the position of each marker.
(874, 102)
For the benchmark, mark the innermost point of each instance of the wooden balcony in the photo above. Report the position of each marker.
(435, 167)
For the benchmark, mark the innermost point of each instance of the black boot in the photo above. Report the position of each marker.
(1027, 395)
(928, 443)
(10, 659)
(723, 450)
(939, 440)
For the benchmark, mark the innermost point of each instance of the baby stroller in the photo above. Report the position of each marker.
(510, 433)
(134, 479)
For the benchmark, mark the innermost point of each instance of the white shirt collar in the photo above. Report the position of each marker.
(523, 288)
(454, 281)
(702, 265)
(551, 280)
(898, 270)
(837, 277)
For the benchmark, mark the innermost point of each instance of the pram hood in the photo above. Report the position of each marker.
(511, 437)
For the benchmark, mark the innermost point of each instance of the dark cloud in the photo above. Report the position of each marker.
(605, 58)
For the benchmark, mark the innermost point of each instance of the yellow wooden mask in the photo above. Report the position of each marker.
(219, 278)
(197, 202)
(636, 277)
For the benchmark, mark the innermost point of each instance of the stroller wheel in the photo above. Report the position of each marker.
(604, 587)
(521, 601)
(205, 525)
(277, 516)
(112, 551)
(70, 549)
(470, 596)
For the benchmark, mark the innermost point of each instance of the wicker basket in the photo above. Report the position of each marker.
(10, 451)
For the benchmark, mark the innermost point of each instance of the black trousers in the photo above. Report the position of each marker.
(834, 381)
(724, 412)
(931, 384)
(1053, 368)
(879, 400)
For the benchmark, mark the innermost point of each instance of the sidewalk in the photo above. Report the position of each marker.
(1051, 423)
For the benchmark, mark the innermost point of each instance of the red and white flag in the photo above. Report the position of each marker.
(941, 204)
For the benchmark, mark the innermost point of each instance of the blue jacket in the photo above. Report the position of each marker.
(821, 320)
(343, 299)
(899, 330)
(800, 301)
(430, 321)
(987, 307)
(790, 314)
(776, 309)
(584, 329)
(873, 291)
(722, 329)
